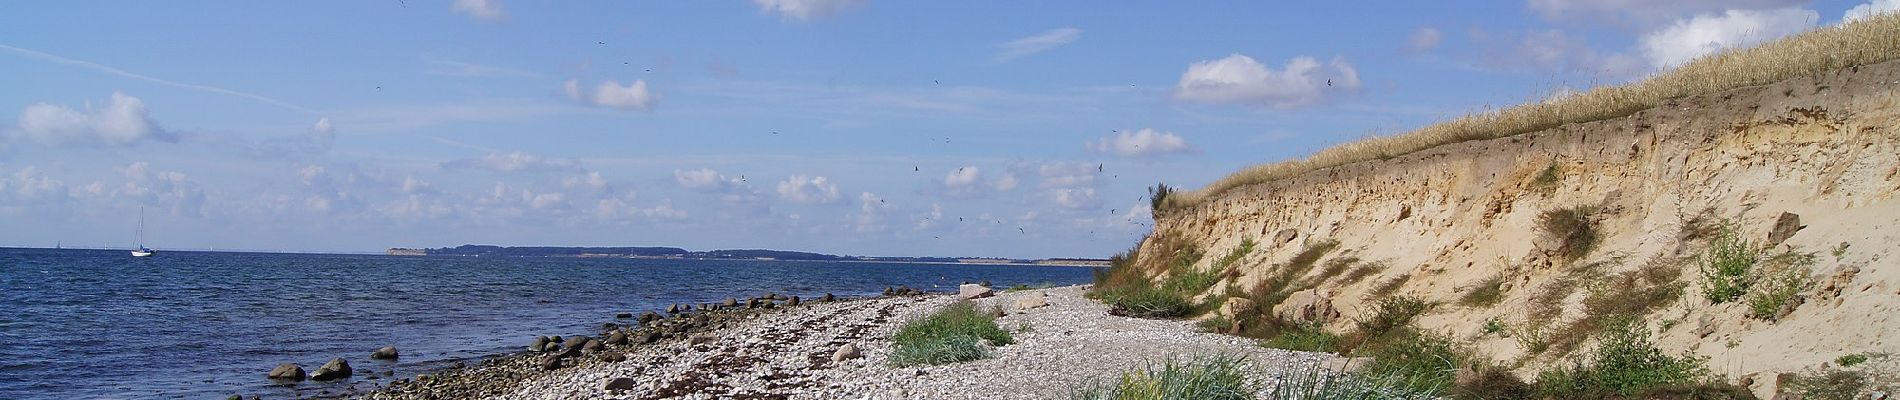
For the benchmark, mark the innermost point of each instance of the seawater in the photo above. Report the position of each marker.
(103, 324)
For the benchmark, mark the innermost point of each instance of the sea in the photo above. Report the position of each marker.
(100, 324)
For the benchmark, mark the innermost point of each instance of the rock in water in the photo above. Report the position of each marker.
(385, 353)
(673, 309)
(649, 316)
(889, 291)
(1031, 301)
(333, 370)
(624, 315)
(973, 292)
(849, 351)
(540, 344)
(621, 383)
(287, 371)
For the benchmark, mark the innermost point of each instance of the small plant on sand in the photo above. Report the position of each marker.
(1315, 382)
(1828, 385)
(1775, 293)
(1570, 230)
(1302, 337)
(1484, 294)
(1851, 359)
(1389, 314)
(1624, 364)
(1146, 302)
(1726, 266)
(1546, 180)
(1429, 360)
(1492, 326)
(1214, 377)
(953, 334)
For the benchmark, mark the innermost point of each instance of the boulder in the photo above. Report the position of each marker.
(779, 297)
(385, 353)
(551, 363)
(1785, 227)
(649, 316)
(848, 351)
(613, 356)
(828, 298)
(700, 339)
(333, 370)
(1285, 235)
(540, 344)
(621, 383)
(1031, 301)
(730, 303)
(1234, 307)
(984, 283)
(752, 303)
(593, 346)
(647, 338)
(792, 301)
(674, 309)
(973, 291)
(286, 371)
(1307, 307)
(617, 338)
(889, 291)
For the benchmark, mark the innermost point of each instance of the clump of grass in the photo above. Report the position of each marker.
(1546, 180)
(953, 334)
(1492, 326)
(1829, 385)
(1869, 41)
(1429, 360)
(1548, 302)
(1624, 296)
(1851, 359)
(1313, 382)
(1625, 364)
(1485, 294)
(1726, 266)
(1213, 377)
(1158, 197)
(1147, 302)
(1571, 229)
(1216, 324)
(1389, 314)
(1303, 337)
(1332, 268)
(1778, 287)
(1226, 263)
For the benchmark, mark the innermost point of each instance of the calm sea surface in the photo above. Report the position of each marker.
(102, 324)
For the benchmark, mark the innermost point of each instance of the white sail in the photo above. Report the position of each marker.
(139, 238)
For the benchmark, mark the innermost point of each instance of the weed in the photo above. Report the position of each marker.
(1303, 337)
(1624, 296)
(1570, 229)
(1313, 382)
(949, 335)
(1777, 288)
(1333, 268)
(1492, 326)
(1391, 313)
(1431, 360)
(1851, 360)
(1485, 294)
(1493, 383)
(1217, 324)
(1548, 302)
(1532, 340)
(1840, 250)
(1829, 385)
(1732, 343)
(1147, 302)
(1158, 198)
(1227, 263)
(1216, 377)
(1546, 180)
(1625, 363)
(1725, 267)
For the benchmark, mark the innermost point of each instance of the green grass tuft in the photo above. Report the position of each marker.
(1300, 337)
(953, 334)
(1571, 229)
(1777, 287)
(1625, 364)
(1391, 313)
(1314, 382)
(1851, 360)
(1485, 294)
(1727, 264)
(1216, 377)
(1429, 361)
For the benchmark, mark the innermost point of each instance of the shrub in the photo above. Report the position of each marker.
(1227, 262)
(1147, 302)
(1158, 198)
(1624, 296)
(1485, 294)
(1429, 360)
(1725, 267)
(1216, 377)
(1391, 313)
(1313, 382)
(1302, 337)
(1571, 229)
(1625, 364)
(1777, 287)
(952, 334)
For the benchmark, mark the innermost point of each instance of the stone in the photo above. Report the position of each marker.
(551, 363)
(648, 338)
(1285, 235)
(700, 339)
(613, 356)
(617, 338)
(889, 291)
(674, 309)
(1233, 307)
(1785, 227)
(973, 292)
(593, 346)
(730, 303)
(984, 283)
(1031, 301)
(1705, 326)
(846, 352)
(624, 315)
(792, 302)
(752, 303)
(649, 316)
(333, 370)
(621, 383)
(1307, 307)
(287, 371)
(540, 344)
(828, 298)
(385, 353)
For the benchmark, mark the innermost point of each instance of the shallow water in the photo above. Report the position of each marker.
(102, 324)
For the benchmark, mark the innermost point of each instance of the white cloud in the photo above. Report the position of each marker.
(1708, 33)
(123, 121)
(1644, 13)
(486, 10)
(590, 181)
(322, 134)
(27, 185)
(1870, 9)
(962, 177)
(970, 181)
(1068, 175)
(1076, 198)
(610, 94)
(1238, 79)
(805, 10)
(1424, 38)
(169, 189)
(1144, 144)
(1553, 51)
(1039, 43)
(808, 190)
(514, 162)
(706, 180)
(872, 212)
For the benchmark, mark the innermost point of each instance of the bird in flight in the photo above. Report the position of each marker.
(1329, 82)
(742, 178)
(598, 42)
(1098, 167)
(1020, 229)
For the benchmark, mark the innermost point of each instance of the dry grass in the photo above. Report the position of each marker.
(1869, 41)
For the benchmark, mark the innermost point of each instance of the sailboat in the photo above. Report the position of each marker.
(139, 238)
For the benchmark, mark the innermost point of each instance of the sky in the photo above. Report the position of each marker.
(858, 127)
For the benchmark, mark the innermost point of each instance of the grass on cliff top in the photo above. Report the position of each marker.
(953, 334)
(1871, 40)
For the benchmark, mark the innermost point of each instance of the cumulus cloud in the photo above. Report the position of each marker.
(1144, 144)
(1039, 43)
(122, 121)
(706, 180)
(610, 94)
(805, 10)
(1708, 33)
(1549, 51)
(872, 212)
(514, 162)
(1424, 38)
(169, 189)
(28, 185)
(970, 181)
(808, 190)
(589, 181)
(1238, 79)
(1644, 13)
(1075, 198)
(1870, 9)
(1068, 175)
(486, 10)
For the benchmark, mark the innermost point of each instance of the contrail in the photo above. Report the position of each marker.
(124, 73)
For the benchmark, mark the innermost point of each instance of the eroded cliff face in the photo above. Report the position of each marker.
(1654, 185)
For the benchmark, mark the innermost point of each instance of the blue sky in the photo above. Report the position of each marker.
(866, 127)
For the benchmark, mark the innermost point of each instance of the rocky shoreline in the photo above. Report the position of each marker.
(835, 350)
